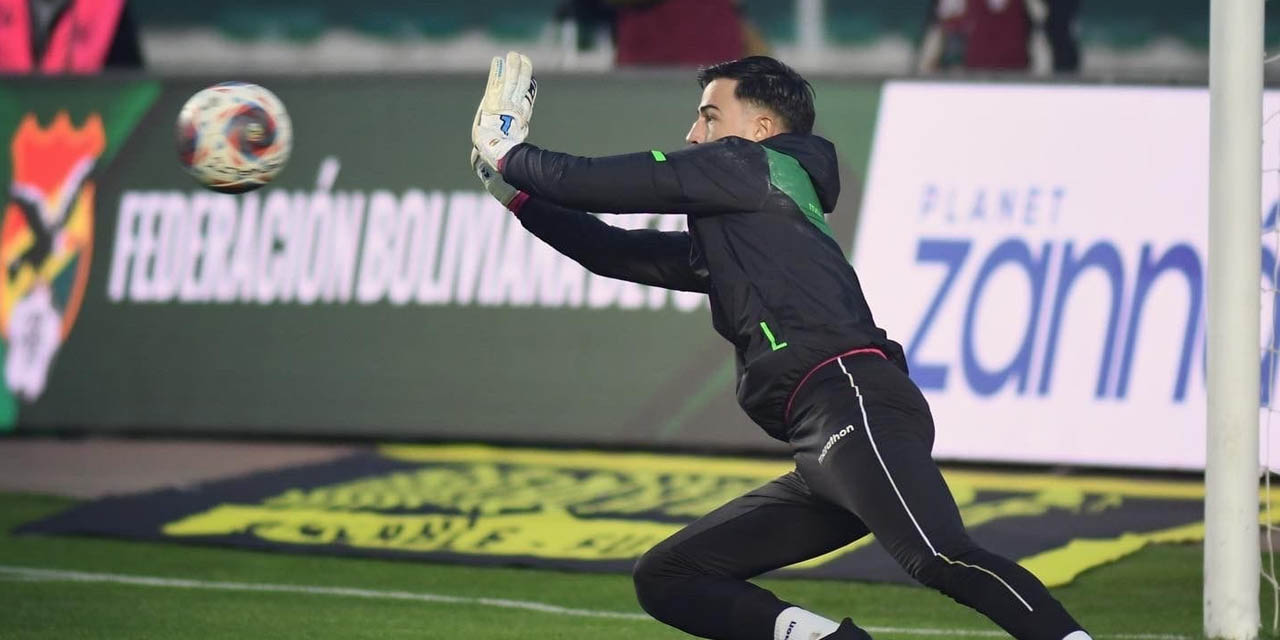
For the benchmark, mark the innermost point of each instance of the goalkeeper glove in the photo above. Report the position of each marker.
(495, 185)
(502, 120)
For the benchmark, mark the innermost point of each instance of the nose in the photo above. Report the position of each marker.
(696, 132)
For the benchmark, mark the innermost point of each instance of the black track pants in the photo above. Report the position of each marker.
(862, 436)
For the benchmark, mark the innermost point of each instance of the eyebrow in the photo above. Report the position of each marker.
(707, 107)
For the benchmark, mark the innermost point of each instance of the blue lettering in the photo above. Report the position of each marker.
(979, 209)
(952, 254)
(928, 200)
(1268, 378)
(951, 205)
(1032, 208)
(1181, 258)
(1269, 267)
(1059, 194)
(1015, 252)
(1008, 203)
(1104, 256)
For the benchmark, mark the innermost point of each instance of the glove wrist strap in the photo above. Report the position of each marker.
(517, 202)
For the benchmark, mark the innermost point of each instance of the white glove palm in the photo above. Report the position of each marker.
(502, 120)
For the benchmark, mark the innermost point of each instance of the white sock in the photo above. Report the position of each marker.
(1077, 635)
(795, 623)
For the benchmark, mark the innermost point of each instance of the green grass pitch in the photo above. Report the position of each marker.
(1157, 591)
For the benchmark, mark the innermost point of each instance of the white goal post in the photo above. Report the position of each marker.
(1231, 547)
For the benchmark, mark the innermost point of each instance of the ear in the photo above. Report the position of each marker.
(764, 126)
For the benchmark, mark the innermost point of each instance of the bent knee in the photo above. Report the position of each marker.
(647, 568)
(659, 574)
(933, 569)
(942, 571)
(652, 575)
(929, 571)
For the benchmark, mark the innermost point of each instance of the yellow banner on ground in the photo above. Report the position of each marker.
(600, 510)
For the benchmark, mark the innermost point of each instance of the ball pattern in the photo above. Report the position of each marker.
(234, 137)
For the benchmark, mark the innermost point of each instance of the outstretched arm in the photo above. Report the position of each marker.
(646, 256)
(726, 176)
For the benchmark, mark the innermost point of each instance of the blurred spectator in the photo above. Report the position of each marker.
(1024, 35)
(67, 36)
(1061, 29)
(671, 32)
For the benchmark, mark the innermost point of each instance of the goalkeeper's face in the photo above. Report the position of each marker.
(722, 114)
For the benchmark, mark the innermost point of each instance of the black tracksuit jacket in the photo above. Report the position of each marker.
(781, 289)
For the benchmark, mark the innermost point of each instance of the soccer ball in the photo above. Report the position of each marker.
(234, 137)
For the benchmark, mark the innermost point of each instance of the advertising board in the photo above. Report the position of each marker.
(1040, 251)
(373, 290)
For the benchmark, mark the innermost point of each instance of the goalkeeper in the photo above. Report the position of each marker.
(813, 368)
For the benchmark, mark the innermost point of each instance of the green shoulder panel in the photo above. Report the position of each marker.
(789, 177)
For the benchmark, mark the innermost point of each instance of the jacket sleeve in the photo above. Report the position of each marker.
(646, 256)
(726, 176)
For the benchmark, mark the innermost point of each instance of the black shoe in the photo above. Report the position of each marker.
(848, 631)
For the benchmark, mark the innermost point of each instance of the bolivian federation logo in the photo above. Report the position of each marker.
(46, 241)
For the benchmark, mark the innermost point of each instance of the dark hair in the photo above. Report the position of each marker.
(770, 84)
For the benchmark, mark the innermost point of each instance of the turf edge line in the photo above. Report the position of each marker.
(58, 575)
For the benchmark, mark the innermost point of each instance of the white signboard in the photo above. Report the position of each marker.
(1040, 252)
